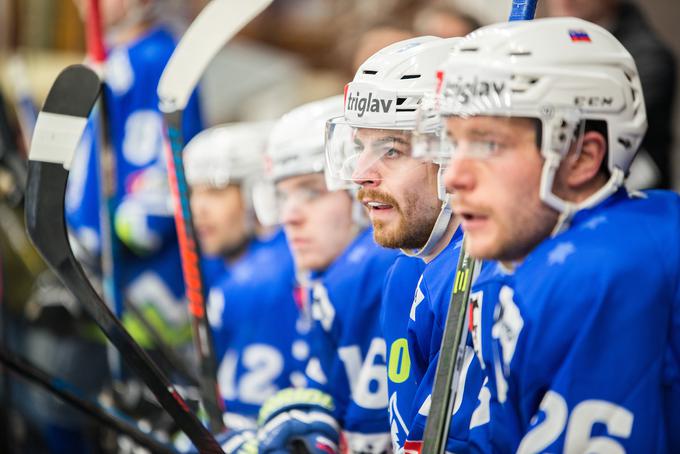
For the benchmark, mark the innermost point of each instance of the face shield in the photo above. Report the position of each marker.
(356, 154)
(274, 201)
(481, 117)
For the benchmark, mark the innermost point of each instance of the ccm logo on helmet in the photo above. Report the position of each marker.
(594, 101)
(360, 104)
(464, 91)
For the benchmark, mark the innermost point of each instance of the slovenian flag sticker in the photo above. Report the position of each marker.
(579, 36)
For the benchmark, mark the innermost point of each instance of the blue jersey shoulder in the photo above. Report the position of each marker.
(346, 337)
(254, 315)
(566, 310)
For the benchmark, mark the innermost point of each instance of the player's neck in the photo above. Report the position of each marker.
(234, 253)
(444, 240)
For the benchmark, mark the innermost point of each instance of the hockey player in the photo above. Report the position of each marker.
(338, 261)
(578, 337)
(147, 265)
(409, 209)
(250, 306)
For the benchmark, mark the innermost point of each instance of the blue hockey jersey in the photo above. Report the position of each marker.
(581, 342)
(147, 264)
(426, 323)
(348, 354)
(253, 316)
(398, 290)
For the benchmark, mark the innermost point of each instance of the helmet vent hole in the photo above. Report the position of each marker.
(469, 49)
(410, 76)
(370, 72)
(520, 53)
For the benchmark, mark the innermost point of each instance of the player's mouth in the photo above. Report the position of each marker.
(378, 210)
(378, 206)
(298, 242)
(472, 221)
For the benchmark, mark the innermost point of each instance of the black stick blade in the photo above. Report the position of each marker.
(54, 142)
(74, 92)
(63, 118)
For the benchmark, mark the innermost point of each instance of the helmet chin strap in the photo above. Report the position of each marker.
(567, 209)
(440, 225)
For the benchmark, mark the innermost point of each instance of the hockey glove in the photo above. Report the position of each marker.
(298, 421)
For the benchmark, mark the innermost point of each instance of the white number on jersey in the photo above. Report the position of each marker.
(617, 420)
(263, 365)
(367, 378)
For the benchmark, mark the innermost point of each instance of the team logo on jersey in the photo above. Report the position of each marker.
(417, 299)
(322, 309)
(475, 323)
(508, 324)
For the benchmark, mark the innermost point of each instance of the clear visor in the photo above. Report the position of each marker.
(481, 119)
(359, 154)
(274, 204)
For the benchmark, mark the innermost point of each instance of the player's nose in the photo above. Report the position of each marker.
(459, 175)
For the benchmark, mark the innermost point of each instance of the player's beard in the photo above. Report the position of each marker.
(413, 228)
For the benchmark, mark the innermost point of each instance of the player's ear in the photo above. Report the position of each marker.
(582, 167)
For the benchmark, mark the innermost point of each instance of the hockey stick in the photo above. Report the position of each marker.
(166, 354)
(69, 394)
(96, 53)
(59, 128)
(451, 356)
(219, 21)
(452, 350)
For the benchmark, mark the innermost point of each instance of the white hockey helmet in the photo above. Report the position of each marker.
(385, 94)
(560, 71)
(296, 147)
(228, 154)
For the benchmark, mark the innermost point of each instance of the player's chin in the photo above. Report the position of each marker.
(310, 260)
(482, 245)
(208, 247)
(386, 235)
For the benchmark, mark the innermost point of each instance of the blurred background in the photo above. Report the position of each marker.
(300, 50)
(295, 52)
